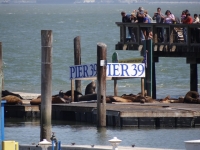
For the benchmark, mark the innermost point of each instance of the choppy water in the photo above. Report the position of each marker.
(28, 131)
(20, 29)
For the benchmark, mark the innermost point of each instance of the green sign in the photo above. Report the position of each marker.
(115, 58)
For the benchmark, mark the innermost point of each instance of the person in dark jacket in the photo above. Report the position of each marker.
(159, 17)
(126, 18)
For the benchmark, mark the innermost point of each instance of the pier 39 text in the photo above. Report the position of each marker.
(113, 70)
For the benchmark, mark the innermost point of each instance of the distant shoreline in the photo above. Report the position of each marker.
(32, 2)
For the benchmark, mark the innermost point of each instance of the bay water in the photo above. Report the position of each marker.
(20, 34)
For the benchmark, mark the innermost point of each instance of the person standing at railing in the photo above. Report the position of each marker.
(147, 29)
(187, 20)
(140, 17)
(196, 30)
(169, 18)
(159, 17)
(126, 18)
(134, 30)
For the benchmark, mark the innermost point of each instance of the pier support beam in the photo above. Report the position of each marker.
(46, 85)
(101, 84)
(77, 61)
(193, 77)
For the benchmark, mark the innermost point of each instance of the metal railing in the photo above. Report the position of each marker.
(184, 36)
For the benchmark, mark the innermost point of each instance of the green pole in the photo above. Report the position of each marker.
(149, 67)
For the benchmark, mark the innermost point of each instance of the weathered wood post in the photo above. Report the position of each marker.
(115, 87)
(77, 61)
(101, 84)
(46, 84)
(72, 90)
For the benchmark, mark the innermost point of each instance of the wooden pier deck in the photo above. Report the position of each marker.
(118, 114)
(172, 46)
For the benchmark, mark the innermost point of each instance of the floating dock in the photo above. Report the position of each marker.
(117, 114)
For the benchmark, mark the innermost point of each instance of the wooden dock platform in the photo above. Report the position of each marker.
(117, 114)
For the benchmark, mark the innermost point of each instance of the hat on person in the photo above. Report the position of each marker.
(140, 8)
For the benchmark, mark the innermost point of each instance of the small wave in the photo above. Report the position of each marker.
(61, 22)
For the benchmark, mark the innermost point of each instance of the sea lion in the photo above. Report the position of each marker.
(192, 97)
(77, 94)
(90, 88)
(6, 93)
(58, 98)
(88, 97)
(120, 99)
(12, 100)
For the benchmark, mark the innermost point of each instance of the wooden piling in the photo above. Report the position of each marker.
(193, 77)
(101, 84)
(46, 84)
(72, 90)
(77, 61)
(115, 87)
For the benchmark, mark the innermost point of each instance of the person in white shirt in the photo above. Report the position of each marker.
(196, 31)
(196, 19)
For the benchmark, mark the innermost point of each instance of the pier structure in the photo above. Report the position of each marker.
(174, 46)
(133, 114)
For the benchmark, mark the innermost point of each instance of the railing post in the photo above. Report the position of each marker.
(188, 37)
(123, 34)
(46, 84)
(101, 84)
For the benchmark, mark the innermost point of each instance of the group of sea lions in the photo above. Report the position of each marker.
(90, 94)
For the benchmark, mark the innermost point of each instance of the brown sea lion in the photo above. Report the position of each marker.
(58, 98)
(12, 100)
(90, 88)
(6, 93)
(55, 100)
(120, 99)
(138, 98)
(36, 101)
(192, 97)
(77, 94)
(88, 97)
(179, 100)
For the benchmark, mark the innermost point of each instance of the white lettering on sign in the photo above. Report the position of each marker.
(113, 70)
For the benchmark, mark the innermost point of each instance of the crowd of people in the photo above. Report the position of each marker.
(141, 16)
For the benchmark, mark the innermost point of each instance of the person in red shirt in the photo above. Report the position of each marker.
(187, 20)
